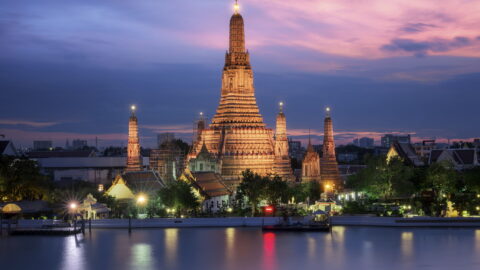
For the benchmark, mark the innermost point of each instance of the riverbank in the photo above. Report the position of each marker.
(427, 222)
(261, 221)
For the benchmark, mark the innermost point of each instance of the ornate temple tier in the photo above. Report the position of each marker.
(329, 173)
(134, 159)
(237, 135)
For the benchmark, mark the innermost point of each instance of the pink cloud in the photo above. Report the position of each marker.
(27, 123)
(182, 128)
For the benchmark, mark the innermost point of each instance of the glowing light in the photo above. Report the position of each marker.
(133, 108)
(229, 210)
(269, 209)
(73, 206)
(328, 186)
(141, 199)
(327, 109)
(236, 7)
(100, 188)
(201, 113)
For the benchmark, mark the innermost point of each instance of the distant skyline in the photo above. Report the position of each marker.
(72, 69)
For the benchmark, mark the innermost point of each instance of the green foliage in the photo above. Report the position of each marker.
(441, 178)
(384, 180)
(253, 187)
(20, 179)
(179, 196)
(277, 191)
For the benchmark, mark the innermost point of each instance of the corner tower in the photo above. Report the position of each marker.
(282, 165)
(237, 135)
(330, 174)
(134, 159)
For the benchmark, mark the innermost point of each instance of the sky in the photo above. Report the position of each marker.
(71, 69)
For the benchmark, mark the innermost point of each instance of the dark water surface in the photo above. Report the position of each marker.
(247, 248)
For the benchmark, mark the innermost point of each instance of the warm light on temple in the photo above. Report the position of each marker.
(236, 7)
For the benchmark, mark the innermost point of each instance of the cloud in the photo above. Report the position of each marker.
(416, 27)
(27, 123)
(422, 48)
(182, 128)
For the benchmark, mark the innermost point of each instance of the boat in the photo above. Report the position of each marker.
(319, 221)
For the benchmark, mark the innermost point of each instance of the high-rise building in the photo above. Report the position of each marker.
(282, 166)
(42, 145)
(364, 142)
(388, 139)
(134, 158)
(79, 144)
(237, 135)
(329, 166)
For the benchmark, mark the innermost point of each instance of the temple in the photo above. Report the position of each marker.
(134, 158)
(237, 136)
(330, 175)
(311, 165)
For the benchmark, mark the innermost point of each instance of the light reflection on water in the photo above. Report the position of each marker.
(142, 257)
(248, 248)
(73, 257)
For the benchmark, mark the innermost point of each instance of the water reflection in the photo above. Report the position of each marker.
(171, 246)
(269, 260)
(142, 257)
(73, 254)
(407, 244)
(230, 240)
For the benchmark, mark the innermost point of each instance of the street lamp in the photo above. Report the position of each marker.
(141, 199)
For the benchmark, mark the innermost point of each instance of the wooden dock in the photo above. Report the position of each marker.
(46, 231)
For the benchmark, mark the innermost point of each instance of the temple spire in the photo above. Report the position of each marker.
(134, 158)
(280, 105)
(236, 7)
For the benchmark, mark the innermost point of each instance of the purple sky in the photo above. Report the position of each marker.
(71, 69)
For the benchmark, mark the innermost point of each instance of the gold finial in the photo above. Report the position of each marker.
(280, 104)
(236, 7)
(328, 111)
(133, 108)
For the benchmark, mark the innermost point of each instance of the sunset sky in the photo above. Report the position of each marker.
(71, 69)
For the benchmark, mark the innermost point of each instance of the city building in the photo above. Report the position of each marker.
(328, 163)
(237, 135)
(388, 139)
(364, 142)
(79, 144)
(424, 148)
(42, 145)
(295, 149)
(97, 170)
(134, 158)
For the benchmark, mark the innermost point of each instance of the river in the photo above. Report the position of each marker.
(247, 249)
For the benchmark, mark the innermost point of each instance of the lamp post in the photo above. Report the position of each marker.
(73, 209)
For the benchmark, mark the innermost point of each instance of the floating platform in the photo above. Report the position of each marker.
(46, 231)
(298, 228)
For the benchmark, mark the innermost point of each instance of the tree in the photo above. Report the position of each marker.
(252, 188)
(20, 179)
(277, 191)
(441, 180)
(179, 196)
(384, 180)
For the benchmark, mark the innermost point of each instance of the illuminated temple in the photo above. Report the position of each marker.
(330, 175)
(237, 135)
